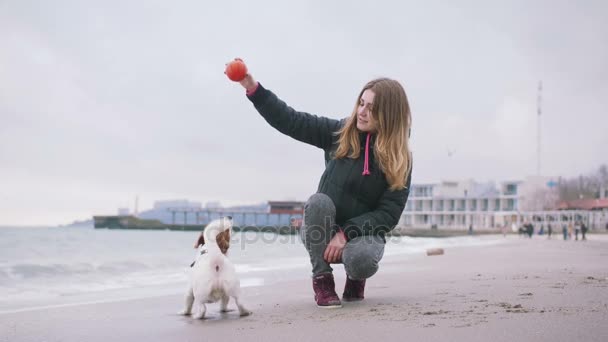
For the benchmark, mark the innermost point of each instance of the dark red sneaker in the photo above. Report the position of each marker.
(353, 290)
(325, 291)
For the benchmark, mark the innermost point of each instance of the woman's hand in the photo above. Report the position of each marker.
(249, 83)
(333, 251)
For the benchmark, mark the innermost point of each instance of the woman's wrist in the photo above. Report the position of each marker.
(249, 84)
(342, 233)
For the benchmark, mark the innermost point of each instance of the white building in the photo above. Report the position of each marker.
(457, 205)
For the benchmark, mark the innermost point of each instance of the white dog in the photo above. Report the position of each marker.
(213, 276)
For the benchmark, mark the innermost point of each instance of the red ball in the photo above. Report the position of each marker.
(236, 70)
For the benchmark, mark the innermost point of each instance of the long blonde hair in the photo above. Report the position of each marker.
(391, 112)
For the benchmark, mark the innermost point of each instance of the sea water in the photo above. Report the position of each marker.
(41, 267)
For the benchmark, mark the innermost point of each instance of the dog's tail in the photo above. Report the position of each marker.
(217, 258)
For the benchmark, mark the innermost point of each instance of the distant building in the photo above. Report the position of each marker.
(584, 204)
(457, 205)
(447, 204)
(176, 204)
(252, 208)
(213, 205)
(593, 211)
(272, 213)
(286, 207)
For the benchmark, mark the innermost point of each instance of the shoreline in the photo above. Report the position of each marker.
(529, 289)
(252, 272)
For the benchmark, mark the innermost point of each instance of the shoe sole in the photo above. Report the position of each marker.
(329, 306)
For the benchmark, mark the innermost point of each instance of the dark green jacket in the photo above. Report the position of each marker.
(364, 204)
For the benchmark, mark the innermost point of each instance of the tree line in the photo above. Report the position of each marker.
(584, 186)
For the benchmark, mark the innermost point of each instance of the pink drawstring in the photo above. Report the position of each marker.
(366, 163)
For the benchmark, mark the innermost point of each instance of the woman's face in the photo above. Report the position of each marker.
(365, 121)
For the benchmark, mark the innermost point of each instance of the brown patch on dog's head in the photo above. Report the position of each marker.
(223, 241)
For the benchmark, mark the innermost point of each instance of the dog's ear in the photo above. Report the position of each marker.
(223, 241)
(200, 241)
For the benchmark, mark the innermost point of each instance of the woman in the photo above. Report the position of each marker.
(364, 187)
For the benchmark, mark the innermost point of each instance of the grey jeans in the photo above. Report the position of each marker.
(361, 254)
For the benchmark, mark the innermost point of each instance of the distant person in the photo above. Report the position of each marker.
(577, 228)
(584, 230)
(570, 230)
(470, 229)
(565, 231)
(530, 229)
(522, 230)
(542, 229)
(365, 185)
(549, 231)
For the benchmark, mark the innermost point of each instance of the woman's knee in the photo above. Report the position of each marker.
(361, 257)
(359, 268)
(319, 208)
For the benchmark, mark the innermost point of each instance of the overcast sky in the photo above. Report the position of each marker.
(101, 101)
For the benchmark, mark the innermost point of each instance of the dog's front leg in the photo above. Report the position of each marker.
(224, 303)
(189, 300)
(202, 309)
(242, 310)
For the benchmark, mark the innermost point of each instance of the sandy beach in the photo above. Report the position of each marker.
(522, 289)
